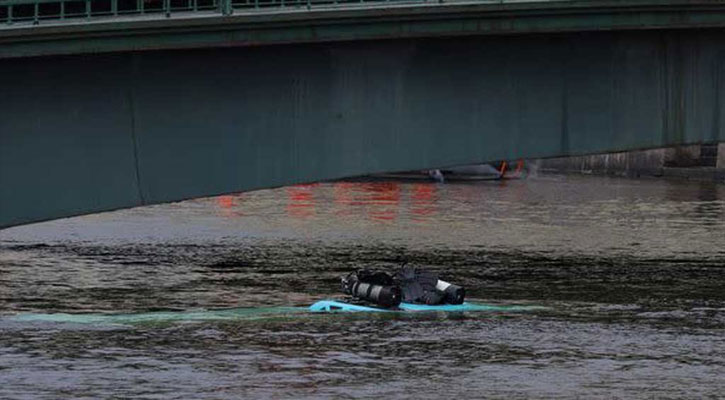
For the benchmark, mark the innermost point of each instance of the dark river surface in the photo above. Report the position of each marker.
(622, 283)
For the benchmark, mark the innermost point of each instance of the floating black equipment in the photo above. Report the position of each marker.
(375, 287)
(419, 286)
(409, 285)
(453, 294)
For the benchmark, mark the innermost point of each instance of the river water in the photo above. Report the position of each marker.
(620, 286)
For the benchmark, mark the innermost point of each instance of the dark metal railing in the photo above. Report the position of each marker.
(37, 11)
(12, 11)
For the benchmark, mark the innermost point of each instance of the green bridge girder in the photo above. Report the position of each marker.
(235, 23)
(92, 126)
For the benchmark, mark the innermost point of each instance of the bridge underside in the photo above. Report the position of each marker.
(88, 133)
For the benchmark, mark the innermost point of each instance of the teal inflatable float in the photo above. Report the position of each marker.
(339, 306)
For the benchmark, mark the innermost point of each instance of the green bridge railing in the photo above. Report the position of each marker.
(37, 11)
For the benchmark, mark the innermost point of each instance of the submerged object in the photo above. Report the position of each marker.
(436, 175)
(340, 306)
(249, 313)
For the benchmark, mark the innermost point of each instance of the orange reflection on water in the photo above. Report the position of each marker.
(377, 200)
(384, 199)
(229, 205)
(301, 200)
(423, 197)
(343, 197)
(225, 201)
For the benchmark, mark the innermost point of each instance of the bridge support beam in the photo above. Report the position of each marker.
(82, 134)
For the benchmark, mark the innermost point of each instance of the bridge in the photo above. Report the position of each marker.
(109, 104)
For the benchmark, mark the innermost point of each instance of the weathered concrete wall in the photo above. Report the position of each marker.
(684, 162)
(633, 163)
(682, 156)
